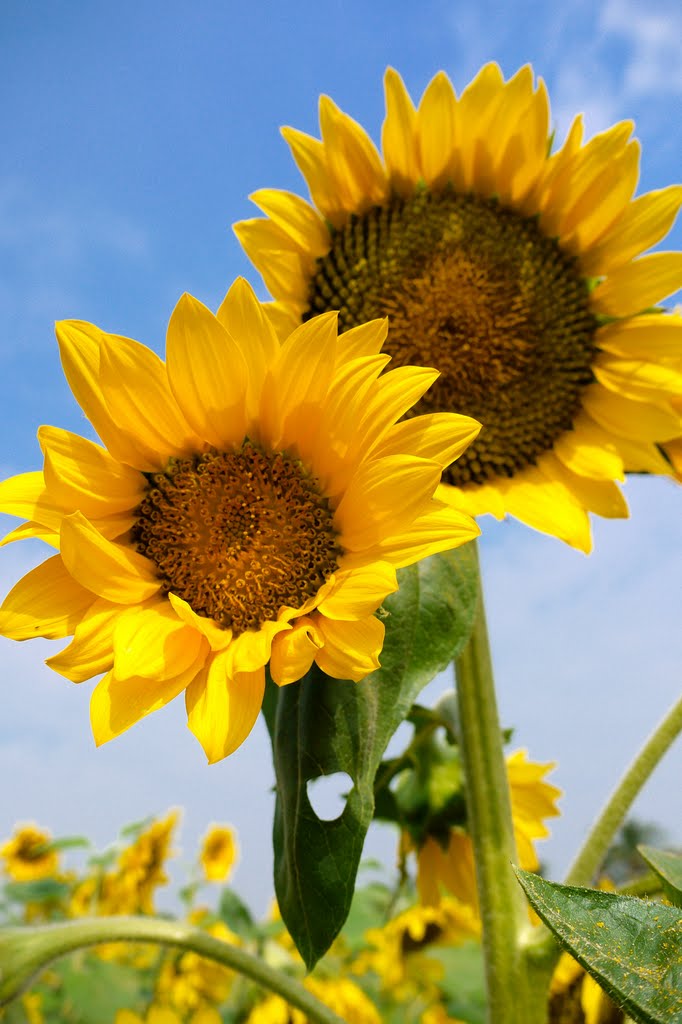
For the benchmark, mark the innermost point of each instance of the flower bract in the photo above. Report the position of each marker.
(251, 504)
(519, 272)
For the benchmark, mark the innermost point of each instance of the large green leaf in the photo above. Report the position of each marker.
(321, 726)
(632, 947)
(668, 867)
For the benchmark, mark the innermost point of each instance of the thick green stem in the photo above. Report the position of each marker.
(512, 996)
(593, 851)
(25, 951)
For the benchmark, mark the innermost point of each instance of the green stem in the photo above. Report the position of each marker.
(593, 851)
(512, 996)
(25, 951)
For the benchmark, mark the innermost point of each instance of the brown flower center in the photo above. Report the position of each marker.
(238, 534)
(478, 292)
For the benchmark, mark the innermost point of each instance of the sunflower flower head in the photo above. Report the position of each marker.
(219, 853)
(448, 861)
(516, 271)
(29, 855)
(251, 504)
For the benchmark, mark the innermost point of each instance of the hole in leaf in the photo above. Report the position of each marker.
(327, 794)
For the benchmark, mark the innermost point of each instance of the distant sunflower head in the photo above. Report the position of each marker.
(515, 271)
(29, 855)
(448, 861)
(252, 503)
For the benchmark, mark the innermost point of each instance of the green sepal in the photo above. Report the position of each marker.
(668, 867)
(321, 726)
(632, 947)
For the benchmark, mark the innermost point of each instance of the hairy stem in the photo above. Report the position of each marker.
(512, 998)
(25, 951)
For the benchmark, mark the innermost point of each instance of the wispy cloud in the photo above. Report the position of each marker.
(652, 34)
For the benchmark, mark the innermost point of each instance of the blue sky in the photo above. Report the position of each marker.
(131, 140)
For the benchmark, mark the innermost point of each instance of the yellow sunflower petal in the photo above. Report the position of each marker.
(364, 340)
(25, 495)
(47, 602)
(439, 436)
(437, 530)
(152, 642)
(600, 496)
(135, 386)
(222, 710)
(250, 651)
(247, 321)
(645, 221)
(300, 379)
(284, 269)
(589, 450)
(636, 378)
(602, 201)
(436, 130)
(395, 392)
(79, 347)
(31, 530)
(475, 109)
(578, 171)
(207, 373)
(296, 218)
(351, 649)
(82, 475)
(217, 637)
(478, 500)
(283, 317)
(354, 166)
(383, 498)
(293, 653)
(547, 505)
(398, 135)
(357, 593)
(636, 420)
(91, 650)
(639, 285)
(641, 457)
(109, 570)
(311, 160)
(116, 704)
(652, 336)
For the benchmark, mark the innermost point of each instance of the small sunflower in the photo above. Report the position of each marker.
(252, 504)
(29, 855)
(517, 272)
(532, 801)
(219, 853)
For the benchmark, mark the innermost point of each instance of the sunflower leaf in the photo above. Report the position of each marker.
(632, 947)
(668, 867)
(322, 726)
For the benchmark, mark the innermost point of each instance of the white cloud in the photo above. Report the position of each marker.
(652, 33)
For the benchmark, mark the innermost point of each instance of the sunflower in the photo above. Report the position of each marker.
(252, 504)
(29, 855)
(532, 801)
(516, 271)
(219, 853)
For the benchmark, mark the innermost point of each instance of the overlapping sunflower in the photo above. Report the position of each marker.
(516, 271)
(251, 504)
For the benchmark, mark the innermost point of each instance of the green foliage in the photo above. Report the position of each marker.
(235, 914)
(632, 947)
(463, 982)
(322, 726)
(92, 990)
(39, 890)
(668, 867)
